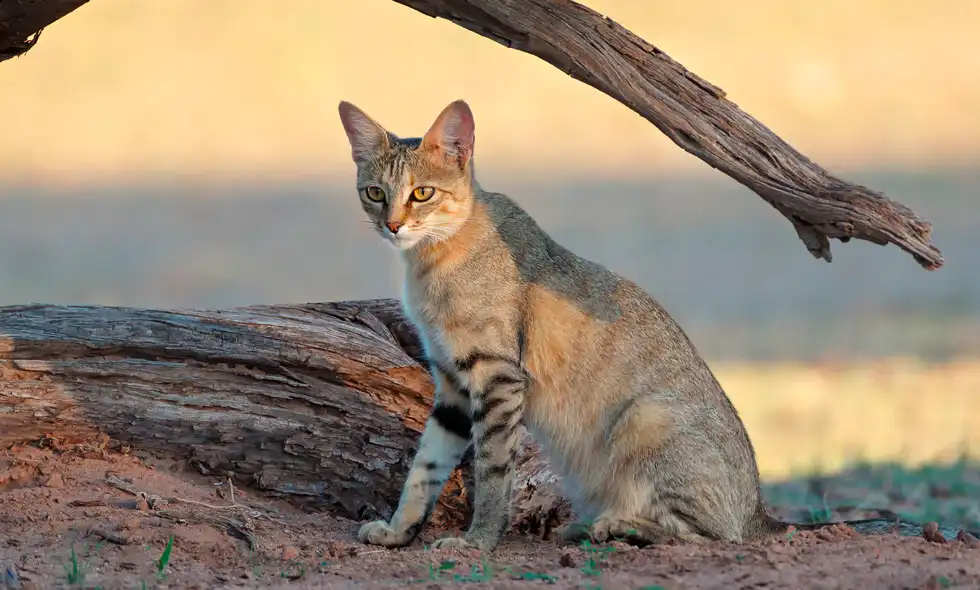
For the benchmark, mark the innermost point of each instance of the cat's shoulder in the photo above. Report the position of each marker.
(510, 219)
(500, 205)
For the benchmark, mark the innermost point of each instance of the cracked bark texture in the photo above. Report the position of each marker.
(319, 403)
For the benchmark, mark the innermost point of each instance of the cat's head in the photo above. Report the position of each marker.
(417, 190)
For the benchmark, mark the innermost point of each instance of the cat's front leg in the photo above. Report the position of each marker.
(444, 440)
(497, 386)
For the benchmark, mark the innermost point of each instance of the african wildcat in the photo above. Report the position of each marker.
(517, 329)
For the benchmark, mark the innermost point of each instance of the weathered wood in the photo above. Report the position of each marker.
(322, 403)
(692, 112)
(696, 116)
(21, 22)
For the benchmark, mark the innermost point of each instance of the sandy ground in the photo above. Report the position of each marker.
(119, 513)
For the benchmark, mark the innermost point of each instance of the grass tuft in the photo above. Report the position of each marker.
(165, 557)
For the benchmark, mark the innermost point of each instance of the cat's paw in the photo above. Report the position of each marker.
(604, 529)
(380, 532)
(452, 543)
(633, 531)
(575, 532)
(471, 540)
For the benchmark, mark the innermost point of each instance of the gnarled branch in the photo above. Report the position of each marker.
(21, 22)
(696, 116)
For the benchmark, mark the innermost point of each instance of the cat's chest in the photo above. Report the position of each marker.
(457, 317)
(432, 308)
(440, 314)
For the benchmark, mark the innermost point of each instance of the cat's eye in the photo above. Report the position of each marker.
(375, 193)
(423, 193)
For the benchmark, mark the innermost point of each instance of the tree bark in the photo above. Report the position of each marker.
(696, 116)
(318, 403)
(21, 22)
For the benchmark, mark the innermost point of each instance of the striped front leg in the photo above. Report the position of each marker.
(444, 440)
(497, 386)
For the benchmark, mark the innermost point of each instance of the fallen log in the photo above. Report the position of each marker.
(319, 403)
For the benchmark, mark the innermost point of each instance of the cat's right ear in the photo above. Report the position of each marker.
(452, 134)
(367, 137)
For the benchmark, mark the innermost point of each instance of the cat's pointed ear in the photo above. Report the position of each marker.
(452, 134)
(367, 137)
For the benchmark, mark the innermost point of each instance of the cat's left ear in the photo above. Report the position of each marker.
(452, 134)
(367, 137)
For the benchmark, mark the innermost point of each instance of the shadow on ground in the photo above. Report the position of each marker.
(948, 493)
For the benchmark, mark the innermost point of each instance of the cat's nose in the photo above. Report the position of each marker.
(393, 226)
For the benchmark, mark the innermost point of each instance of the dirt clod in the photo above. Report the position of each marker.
(54, 481)
(340, 550)
(133, 524)
(930, 531)
(968, 540)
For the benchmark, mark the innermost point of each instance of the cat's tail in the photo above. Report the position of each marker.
(764, 526)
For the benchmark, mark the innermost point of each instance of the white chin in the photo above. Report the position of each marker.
(403, 241)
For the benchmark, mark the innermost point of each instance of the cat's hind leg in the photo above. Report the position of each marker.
(640, 531)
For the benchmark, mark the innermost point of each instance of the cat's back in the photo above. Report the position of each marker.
(578, 309)
(542, 261)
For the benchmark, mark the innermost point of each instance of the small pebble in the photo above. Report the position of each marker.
(55, 481)
(566, 560)
(337, 549)
(930, 531)
(968, 539)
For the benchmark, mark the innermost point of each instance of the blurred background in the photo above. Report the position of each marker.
(187, 154)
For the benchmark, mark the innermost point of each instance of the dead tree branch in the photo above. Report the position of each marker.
(21, 22)
(696, 116)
